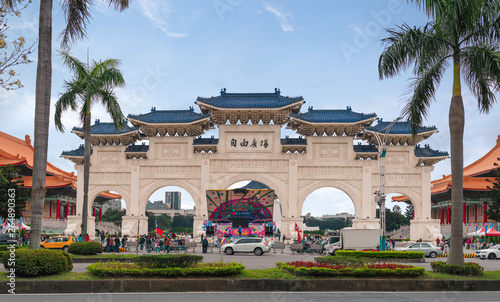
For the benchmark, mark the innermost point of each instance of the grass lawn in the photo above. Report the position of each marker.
(105, 256)
(269, 273)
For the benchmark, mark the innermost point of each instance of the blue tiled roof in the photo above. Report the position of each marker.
(250, 100)
(107, 128)
(365, 148)
(294, 141)
(142, 148)
(205, 141)
(255, 185)
(398, 128)
(169, 116)
(332, 116)
(426, 151)
(77, 152)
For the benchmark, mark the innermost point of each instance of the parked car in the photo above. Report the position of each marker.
(258, 246)
(60, 242)
(491, 253)
(9, 238)
(429, 250)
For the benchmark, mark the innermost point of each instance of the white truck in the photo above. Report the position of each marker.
(353, 239)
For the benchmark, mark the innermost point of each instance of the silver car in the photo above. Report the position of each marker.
(258, 246)
(428, 249)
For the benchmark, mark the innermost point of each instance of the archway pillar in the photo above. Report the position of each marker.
(135, 194)
(129, 226)
(73, 226)
(201, 208)
(288, 227)
(425, 229)
(365, 213)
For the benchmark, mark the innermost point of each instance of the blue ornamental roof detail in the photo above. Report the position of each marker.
(77, 152)
(426, 151)
(107, 128)
(398, 128)
(169, 116)
(294, 141)
(365, 148)
(255, 185)
(205, 141)
(142, 148)
(249, 100)
(333, 116)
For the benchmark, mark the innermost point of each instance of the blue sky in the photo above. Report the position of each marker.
(174, 51)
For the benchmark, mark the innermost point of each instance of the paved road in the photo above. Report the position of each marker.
(261, 297)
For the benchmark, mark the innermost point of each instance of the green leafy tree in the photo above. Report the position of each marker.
(92, 83)
(113, 215)
(77, 15)
(409, 212)
(465, 35)
(185, 221)
(12, 191)
(12, 52)
(323, 224)
(493, 211)
(164, 222)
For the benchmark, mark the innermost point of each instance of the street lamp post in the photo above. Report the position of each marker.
(380, 194)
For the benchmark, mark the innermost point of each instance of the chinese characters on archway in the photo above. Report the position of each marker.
(244, 143)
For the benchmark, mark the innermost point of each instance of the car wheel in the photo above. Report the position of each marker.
(65, 249)
(433, 254)
(258, 251)
(492, 256)
(229, 251)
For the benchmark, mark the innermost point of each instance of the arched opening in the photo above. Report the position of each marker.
(399, 212)
(172, 208)
(108, 209)
(327, 208)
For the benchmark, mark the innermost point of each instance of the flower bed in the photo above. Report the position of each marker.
(381, 255)
(164, 261)
(117, 269)
(347, 261)
(302, 268)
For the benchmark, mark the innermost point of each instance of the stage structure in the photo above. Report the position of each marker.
(252, 210)
(250, 146)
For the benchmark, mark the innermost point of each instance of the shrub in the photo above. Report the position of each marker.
(30, 263)
(3, 248)
(301, 268)
(130, 269)
(347, 261)
(469, 269)
(164, 261)
(381, 255)
(85, 248)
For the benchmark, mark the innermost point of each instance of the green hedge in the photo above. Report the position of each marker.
(3, 248)
(85, 248)
(116, 269)
(469, 269)
(353, 271)
(380, 255)
(166, 261)
(31, 263)
(341, 260)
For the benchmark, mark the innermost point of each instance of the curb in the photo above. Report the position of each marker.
(466, 255)
(228, 285)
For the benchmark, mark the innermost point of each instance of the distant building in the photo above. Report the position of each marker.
(113, 204)
(173, 200)
(156, 205)
(346, 216)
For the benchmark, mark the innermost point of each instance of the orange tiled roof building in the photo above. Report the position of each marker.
(475, 189)
(61, 186)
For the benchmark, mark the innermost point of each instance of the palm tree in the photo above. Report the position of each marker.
(77, 15)
(464, 33)
(92, 83)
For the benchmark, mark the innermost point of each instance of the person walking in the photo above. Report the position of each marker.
(141, 242)
(167, 245)
(148, 244)
(157, 245)
(102, 237)
(117, 243)
(284, 238)
(240, 230)
(205, 245)
(108, 243)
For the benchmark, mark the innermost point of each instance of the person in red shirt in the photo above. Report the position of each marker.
(87, 238)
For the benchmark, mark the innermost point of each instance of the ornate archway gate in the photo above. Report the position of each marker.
(250, 147)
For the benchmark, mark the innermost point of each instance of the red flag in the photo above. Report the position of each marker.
(158, 230)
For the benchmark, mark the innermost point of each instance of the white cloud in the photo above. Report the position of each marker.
(156, 11)
(283, 17)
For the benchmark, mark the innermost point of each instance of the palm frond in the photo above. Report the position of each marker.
(109, 100)
(66, 101)
(481, 72)
(120, 5)
(405, 45)
(77, 15)
(74, 64)
(422, 90)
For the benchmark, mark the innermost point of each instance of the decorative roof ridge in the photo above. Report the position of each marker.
(420, 151)
(223, 93)
(153, 109)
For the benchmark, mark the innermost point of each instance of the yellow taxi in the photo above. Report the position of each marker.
(59, 242)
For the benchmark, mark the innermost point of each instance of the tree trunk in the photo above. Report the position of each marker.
(42, 118)
(86, 170)
(456, 124)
